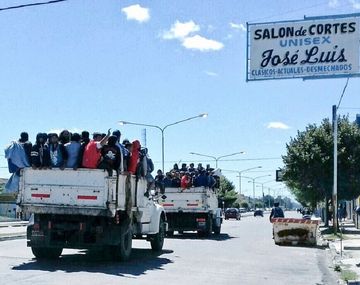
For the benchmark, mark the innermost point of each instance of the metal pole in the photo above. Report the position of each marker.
(162, 149)
(334, 196)
(216, 163)
(254, 193)
(240, 183)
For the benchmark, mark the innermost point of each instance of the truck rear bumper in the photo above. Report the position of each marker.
(66, 210)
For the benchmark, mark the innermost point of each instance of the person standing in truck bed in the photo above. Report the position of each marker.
(92, 152)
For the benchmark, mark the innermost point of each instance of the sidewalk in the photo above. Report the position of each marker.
(345, 249)
(12, 230)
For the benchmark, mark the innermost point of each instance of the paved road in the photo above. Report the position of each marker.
(243, 254)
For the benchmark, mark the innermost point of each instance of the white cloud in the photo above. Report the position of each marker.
(240, 27)
(355, 4)
(277, 125)
(210, 73)
(202, 44)
(181, 30)
(333, 3)
(137, 13)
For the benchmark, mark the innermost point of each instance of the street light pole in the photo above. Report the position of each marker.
(217, 158)
(162, 130)
(253, 181)
(239, 172)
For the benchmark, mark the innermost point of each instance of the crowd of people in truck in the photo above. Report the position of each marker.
(73, 150)
(188, 176)
(103, 151)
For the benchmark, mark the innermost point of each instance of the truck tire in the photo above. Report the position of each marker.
(216, 229)
(209, 227)
(46, 252)
(170, 233)
(122, 251)
(157, 241)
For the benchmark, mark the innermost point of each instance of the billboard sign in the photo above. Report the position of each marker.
(315, 47)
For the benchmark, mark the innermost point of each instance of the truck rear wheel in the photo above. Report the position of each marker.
(122, 251)
(217, 229)
(46, 252)
(157, 241)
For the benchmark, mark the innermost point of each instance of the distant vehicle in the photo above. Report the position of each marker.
(242, 210)
(258, 213)
(232, 213)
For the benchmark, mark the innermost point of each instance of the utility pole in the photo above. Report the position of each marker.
(334, 194)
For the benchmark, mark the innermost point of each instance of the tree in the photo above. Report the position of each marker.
(308, 170)
(227, 192)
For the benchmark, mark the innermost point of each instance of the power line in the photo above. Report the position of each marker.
(342, 95)
(31, 4)
(288, 12)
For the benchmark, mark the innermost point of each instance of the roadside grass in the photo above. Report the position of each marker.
(348, 275)
(332, 237)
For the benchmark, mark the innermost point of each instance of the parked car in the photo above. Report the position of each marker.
(258, 213)
(232, 213)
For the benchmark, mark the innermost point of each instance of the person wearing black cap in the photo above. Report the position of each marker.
(85, 139)
(117, 133)
(27, 145)
(40, 155)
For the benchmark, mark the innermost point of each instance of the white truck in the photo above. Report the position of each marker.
(193, 209)
(86, 209)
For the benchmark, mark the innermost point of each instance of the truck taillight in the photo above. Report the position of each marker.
(201, 220)
(49, 225)
(36, 227)
(117, 218)
(82, 226)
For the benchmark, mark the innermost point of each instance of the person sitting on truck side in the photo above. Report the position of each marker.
(276, 212)
(58, 154)
(160, 181)
(73, 150)
(110, 156)
(92, 152)
(40, 155)
(150, 168)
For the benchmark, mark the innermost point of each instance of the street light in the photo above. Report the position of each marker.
(262, 189)
(239, 174)
(253, 181)
(162, 129)
(219, 157)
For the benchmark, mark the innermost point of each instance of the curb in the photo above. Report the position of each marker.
(12, 237)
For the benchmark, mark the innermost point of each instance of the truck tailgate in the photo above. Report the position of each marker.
(81, 188)
(185, 200)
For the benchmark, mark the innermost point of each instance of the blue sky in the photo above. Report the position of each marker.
(85, 65)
